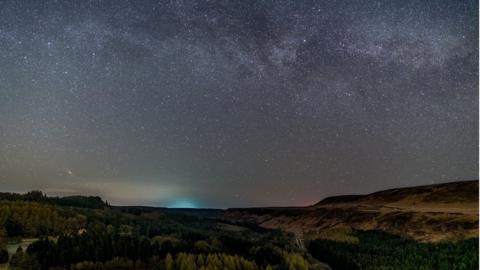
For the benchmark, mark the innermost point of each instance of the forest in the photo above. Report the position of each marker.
(379, 250)
(78, 234)
(137, 238)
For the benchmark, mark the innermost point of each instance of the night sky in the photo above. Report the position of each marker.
(236, 103)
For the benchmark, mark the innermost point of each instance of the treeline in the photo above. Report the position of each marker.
(32, 219)
(105, 249)
(77, 238)
(182, 261)
(92, 202)
(378, 250)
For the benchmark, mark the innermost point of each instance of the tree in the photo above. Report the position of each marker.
(3, 246)
(13, 227)
(3, 256)
(22, 261)
(202, 246)
(169, 264)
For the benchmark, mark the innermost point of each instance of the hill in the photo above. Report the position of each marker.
(92, 202)
(424, 213)
(464, 192)
(82, 232)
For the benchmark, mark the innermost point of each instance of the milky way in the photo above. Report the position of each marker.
(236, 103)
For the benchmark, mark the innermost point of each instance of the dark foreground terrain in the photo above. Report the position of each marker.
(433, 227)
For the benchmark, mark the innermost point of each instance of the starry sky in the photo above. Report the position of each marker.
(236, 103)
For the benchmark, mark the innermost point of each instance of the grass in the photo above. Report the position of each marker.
(341, 234)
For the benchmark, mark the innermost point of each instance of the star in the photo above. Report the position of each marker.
(209, 100)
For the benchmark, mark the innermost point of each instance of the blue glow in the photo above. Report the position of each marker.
(183, 203)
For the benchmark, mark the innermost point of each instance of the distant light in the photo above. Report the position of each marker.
(183, 203)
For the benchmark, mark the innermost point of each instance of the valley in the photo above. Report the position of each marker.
(426, 227)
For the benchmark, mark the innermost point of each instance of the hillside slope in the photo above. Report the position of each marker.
(425, 213)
